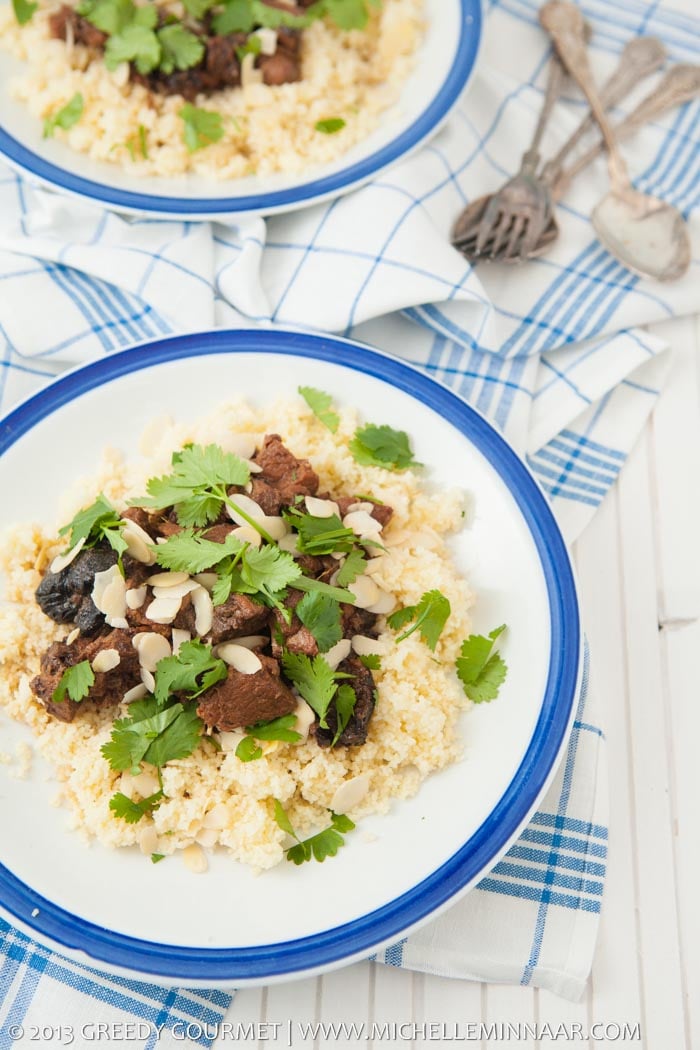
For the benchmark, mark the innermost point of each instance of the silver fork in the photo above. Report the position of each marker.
(520, 207)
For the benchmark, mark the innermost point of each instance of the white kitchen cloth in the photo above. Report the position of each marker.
(547, 352)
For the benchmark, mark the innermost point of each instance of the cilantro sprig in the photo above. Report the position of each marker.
(201, 127)
(330, 126)
(152, 734)
(75, 682)
(320, 404)
(24, 11)
(481, 670)
(382, 446)
(66, 116)
(277, 729)
(132, 812)
(316, 681)
(320, 535)
(198, 485)
(321, 615)
(324, 844)
(192, 671)
(99, 521)
(429, 617)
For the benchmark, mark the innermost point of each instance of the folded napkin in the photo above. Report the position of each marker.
(547, 352)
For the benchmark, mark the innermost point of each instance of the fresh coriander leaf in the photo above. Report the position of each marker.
(352, 567)
(430, 614)
(315, 680)
(134, 43)
(66, 116)
(344, 702)
(201, 127)
(198, 8)
(321, 615)
(188, 551)
(282, 820)
(371, 661)
(75, 682)
(330, 126)
(98, 521)
(192, 671)
(362, 497)
(274, 17)
(157, 857)
(24, 11)
(268, 569)
(109, 16)
(221, 591)
(481, 671)
(309, 585)
(382, 446)
(248, 750)
(178, 740)
(143, 141)
(276, 729)
(132, 812)
(133, 736)
(198, 485)
(324, 844)
(320, 403)
(347, 14)
(236, 17)
(320, 535)
(181, 49)
(145, 15)
(252, 46)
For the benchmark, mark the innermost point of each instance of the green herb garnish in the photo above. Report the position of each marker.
(75, 682)
(198, 486)
(352, 567)
(99, 521)
(429, 616)
(132, 812)
(277, 729)
(320, 404)
(321, 615)
(481, 671)
(330, 126)
(315, 679)
(66, 116)
(318, 847)
(23, 10)
(152, 734)
(382, 446)
(156, 858)
(192, 671)
(320, 535)
(202, 127)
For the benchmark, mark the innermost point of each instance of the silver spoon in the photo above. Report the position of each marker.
(647, 235)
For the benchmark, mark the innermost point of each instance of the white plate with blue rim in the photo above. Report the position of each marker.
(444, 64)
(426, 852)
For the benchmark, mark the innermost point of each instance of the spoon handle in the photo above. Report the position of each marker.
(555, 83)
(641, 56)
(564, 23)
(679, 85)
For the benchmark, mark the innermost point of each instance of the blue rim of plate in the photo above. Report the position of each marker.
(363, 935)
(454, 83)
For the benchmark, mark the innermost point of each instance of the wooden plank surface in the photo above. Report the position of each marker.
(639, 573)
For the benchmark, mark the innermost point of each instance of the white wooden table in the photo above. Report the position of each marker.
(639, 573)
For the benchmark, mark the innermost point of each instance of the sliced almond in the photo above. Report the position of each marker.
(277, 527)
(207, 579)
(148, 680)
(247, 534)
(163, 610)
(207, 837)
(194, 857)
(106, 660)
(62, 561)
(138, 542)
(167, 579)
(247, 505)
(268, 40)
(137, 693)
(203, 611)
(289, 543)
(136, 596)
(361, 523)
(217, 817)
(384, 604)
(305, 716)
(229, 741)
(101, 583)
(148, 839)
(364, 646)
(152, 648)
(253, 641)
(238, 656)
(366, 592)
(113, 601)
(179, 638)
(339, 652)
(75, 633)
(249, 74)
(321, 508)
(242, 445)
(350, 794)
(178, 590)
(363, 505)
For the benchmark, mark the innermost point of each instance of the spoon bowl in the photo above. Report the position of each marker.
(646, 234)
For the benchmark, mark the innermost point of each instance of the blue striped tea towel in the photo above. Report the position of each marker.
(548, 352)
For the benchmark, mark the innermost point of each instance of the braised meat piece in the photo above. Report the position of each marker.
(358, 621)
(65, 596)
(355, 732)
(221, 61)
(67, 22)
(280, 68)
(380, 511)
(283, 476)
(244, 699)
(109, 687)
(292, 636)
(218, 533)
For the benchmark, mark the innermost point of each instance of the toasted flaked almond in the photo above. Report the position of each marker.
(289, 543)
(106, 660)
(62, 561)
(364, 505)
(167, 579)
(203, 611)
(179, 638)
(145, 784)
(350, 794)
(275, 526)
(207, 579)
(148, 839)
(304, 719)
(137, 543)
(242, 445)
(268, 40)
(238, 503)
(217, 817)
(136, 596)
(152, 648)
(254, 468)
(384, 604)
(339, 652)
(148, 680)
(113, 601)
(364, 646)
(361, 523)
(253, 641)
(247, 534)
(163, 610)
(321, 508)
(179, 590)
(194, 857)
(101, 583)
(70, 638)
(137, 693)
(240, 657)
(207, 837)
(249, 74)
(229, 741)
(366, 592)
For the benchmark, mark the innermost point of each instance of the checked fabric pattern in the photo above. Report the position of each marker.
(552, 353)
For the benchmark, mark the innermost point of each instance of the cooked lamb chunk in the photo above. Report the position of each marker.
(83, 31)
(380, 511)
(283, 473)
(280, 68)
(357, 621)
(244, 699)
(109, 686)
(65, 596)
(218, 533)
(293, 635)
(356, 730)
(221, 62)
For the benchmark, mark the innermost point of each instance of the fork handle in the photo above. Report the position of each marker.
(555, 83)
